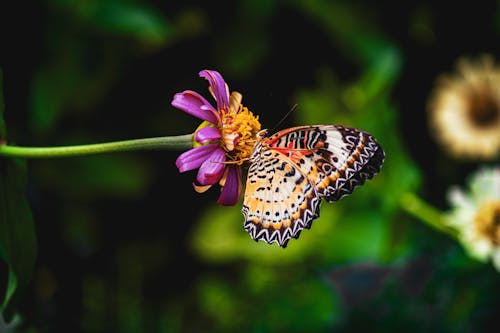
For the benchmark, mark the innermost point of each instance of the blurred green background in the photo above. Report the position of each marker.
(124, 242)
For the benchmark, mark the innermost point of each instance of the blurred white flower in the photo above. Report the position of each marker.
(475, 215)
(464, 109)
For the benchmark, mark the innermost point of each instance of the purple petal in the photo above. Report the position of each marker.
(195, 157)
(232, 188)
(194, 104)
(219, 88)
(207, 134)
(212, 169)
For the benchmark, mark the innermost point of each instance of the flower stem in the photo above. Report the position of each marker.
(420, 209)
(180, 142)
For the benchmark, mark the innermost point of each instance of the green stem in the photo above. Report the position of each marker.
(180, 142)
(426, 213)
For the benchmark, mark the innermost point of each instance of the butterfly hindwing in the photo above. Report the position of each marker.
(279, 201)
(297, 167)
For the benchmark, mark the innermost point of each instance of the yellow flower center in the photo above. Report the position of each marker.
(483, 105)
(239, 128)
(487, 221)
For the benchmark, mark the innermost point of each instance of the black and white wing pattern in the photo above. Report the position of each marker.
(292, 170)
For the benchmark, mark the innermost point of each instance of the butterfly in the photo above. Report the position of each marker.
(291, 172)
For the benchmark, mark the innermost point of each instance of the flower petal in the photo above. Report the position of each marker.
(212, 169)
(201, 188)
(194, 104)
(207, 134)
(218, 88)
(195, 157)
(496, 259)
(235, 100)
(232, 187)
(460, 200)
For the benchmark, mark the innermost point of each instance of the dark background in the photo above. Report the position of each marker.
(115, 233)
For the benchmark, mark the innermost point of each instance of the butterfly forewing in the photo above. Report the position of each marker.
(293, 169)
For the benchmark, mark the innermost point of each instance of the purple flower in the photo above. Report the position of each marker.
(222, 142)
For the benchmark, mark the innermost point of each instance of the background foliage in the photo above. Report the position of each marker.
(126, 245)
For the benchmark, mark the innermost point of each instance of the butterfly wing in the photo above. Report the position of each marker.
(279, 199)
(336, 159)
(333, 160)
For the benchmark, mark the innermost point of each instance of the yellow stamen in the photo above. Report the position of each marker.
(239, 130)
(487, 221)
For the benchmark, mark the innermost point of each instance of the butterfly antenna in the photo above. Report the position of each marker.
(285, 116)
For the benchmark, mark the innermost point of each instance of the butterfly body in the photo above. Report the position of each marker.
(291, 171)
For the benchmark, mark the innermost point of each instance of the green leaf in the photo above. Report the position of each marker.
(230, 302)
(17, 232)
(3, 133)
(241, 61)
(126, 18)
(119, 176)
(65, 75)
(349, 26)
(220, 237)
(131, 20)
